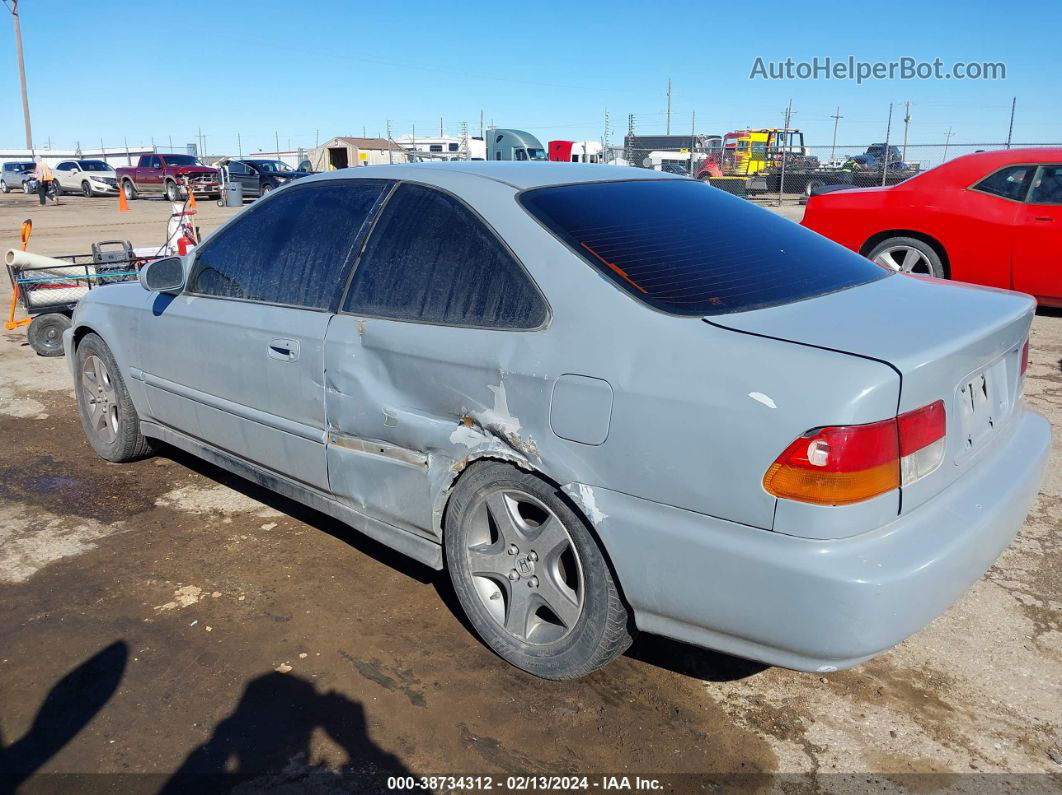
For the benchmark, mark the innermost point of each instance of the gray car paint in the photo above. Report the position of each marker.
(697, 412)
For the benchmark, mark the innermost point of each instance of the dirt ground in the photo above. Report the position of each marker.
(163, 619)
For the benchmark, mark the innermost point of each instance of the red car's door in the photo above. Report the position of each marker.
(1037, 260)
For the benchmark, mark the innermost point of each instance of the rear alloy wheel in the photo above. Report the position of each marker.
(4, 187)
(530, 576)
(45, 333)
(86, 189)
(108, 418)
(907, 255)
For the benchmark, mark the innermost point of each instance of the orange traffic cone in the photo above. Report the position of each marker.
(191, 198)
(123, 205)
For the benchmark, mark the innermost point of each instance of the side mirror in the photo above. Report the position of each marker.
(163, 275)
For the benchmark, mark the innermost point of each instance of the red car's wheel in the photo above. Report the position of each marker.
(908, 255)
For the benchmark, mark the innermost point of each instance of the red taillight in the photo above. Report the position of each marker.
(1024, 357)
(840, 465)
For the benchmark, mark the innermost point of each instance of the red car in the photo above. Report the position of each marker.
(991, 218)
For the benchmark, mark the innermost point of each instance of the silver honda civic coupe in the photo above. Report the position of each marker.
(604, 399)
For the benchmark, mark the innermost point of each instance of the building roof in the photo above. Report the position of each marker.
(366, 143)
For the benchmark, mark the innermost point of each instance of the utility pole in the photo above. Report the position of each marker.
(668, 106)
(906, 122)
(13, 8)
(627, 141)
(947, 140)
(171, 143)
(390, 154)
(1010, 130)
(316, 139)
(785, 147)
(885, 154)
(464, 141)
(239, 145)
(693, 137)
(605, 139)
(836, 118)
(481, 123)
(413, 139)
(440, 127)
(276, 140)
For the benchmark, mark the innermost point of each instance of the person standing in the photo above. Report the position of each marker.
(43, 174)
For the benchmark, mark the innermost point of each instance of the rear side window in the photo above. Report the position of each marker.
(431, 260)
(689, 249)
(291, 249)
(1009, 183)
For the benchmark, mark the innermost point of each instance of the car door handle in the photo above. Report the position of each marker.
(284, 350)
(1043, 218)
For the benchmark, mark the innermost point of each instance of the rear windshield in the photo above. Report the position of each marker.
(689, 249)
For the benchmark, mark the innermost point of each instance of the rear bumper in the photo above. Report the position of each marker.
(809, 604)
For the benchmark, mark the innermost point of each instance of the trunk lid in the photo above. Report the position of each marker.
(952, 342)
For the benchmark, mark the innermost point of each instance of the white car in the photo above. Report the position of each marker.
(87, 177)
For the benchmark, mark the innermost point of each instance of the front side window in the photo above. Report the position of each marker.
(155, 162)
(1008, 183)
(93, 165)
(431, 260)
(1047, 186)
(291, 250)
(689, 249)
(238, 168)
(66, 166)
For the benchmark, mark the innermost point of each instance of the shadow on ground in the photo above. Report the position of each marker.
(69, 706)
(266, 743)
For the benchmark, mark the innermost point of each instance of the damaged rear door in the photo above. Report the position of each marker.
(419, 364)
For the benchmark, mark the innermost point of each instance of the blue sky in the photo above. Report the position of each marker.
(295, 71)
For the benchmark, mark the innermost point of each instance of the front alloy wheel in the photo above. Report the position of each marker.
(99, 399)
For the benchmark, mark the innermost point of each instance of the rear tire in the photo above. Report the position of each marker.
(108, 418)
(908, 255)
(45, 333)
(530, 575)
(4, 187)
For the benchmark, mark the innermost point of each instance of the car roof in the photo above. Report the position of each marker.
(966, 169)
(519, 175)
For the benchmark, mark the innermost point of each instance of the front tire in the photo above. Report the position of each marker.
(530, 576)
(129, 190)
(108, 418)
(267, 188)
(86, 189)
(173, 192)
(45, 333)
(908, 255)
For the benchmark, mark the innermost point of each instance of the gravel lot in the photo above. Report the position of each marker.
(205, 625)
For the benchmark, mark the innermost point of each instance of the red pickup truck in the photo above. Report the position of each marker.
(169, 175)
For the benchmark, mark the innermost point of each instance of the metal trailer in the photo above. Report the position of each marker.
(48, 294)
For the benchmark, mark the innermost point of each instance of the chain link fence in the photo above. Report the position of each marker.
(780, 163)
